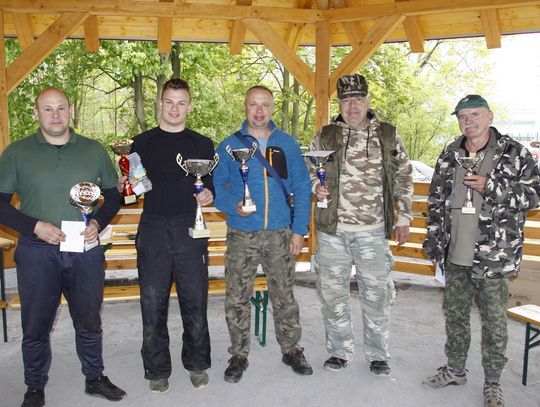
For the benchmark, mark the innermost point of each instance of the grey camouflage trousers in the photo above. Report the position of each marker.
(491, 298)
(373, 260)
(245, 251)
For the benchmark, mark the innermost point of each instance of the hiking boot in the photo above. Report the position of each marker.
(493, 396)
(445, 376)
(295, 358)
(34, 398)
(159, 385)
(102, 387)
(379, 368)
(335, 364)
(237, 365)
(199, 378)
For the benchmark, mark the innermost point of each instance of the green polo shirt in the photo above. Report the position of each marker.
(42, 174)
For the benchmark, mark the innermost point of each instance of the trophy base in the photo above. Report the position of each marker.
(129, 199)
(249, 208)
(89, 246)
(468, 210)
(322, 204)
(199, 233)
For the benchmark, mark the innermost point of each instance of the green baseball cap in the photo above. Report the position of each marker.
(471, 101)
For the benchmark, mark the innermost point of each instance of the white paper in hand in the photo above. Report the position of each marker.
(74, 240)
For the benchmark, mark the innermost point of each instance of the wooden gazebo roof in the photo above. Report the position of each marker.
(280, 25)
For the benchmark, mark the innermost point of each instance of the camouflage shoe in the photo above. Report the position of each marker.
(445, 376)
(493, 396)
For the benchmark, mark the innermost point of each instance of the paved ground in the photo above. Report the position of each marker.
(417, 341)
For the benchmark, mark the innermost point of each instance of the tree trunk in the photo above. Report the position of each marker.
(285, 103)
(175, 59)
(139, 102)
(160, 81)
(295, 109)
(309, 106)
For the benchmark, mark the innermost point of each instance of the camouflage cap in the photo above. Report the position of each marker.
(471, 101)
(351, 85)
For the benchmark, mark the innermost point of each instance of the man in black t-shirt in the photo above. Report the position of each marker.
(165, 251)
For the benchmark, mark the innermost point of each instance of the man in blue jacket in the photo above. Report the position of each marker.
(265, 236)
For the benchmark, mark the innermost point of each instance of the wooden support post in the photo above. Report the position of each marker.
(322, 73)
(91, 34)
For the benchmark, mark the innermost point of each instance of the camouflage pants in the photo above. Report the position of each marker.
(333, 263)
(245, 251)
(491, 298)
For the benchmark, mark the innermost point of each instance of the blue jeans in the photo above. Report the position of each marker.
(373, 260)
(166, 254)
(43, 275)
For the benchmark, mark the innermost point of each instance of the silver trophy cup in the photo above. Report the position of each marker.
(468, 164)
(319, 160)
(198, 169)
(85, 196)
(243, 155)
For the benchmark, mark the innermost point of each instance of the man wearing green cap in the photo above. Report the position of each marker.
(368, 176)
(475, 234)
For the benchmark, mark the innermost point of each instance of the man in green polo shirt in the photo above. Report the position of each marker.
(41, 169)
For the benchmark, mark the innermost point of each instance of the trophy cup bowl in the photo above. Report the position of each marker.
(319, 160)
(122, 148)
(198, 168)
(243, 155)
(468, 164)
(85, 196)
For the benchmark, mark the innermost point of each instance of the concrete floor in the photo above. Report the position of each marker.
(416, 344)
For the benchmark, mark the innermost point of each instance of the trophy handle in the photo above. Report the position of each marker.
(216, 161)
(254, 148)
(229, 150)
(179, 161)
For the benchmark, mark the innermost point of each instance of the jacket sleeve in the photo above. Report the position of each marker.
(517, 186)
(15, 219)
(403, 186)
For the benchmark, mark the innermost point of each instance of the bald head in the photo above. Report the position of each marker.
(53, 112)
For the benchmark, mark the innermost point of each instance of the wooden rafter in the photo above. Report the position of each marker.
(41, 48)
(164, 32)
(271, 40)
(238, 32)
(354, 31)
(91, 34)
(4, 117)
(23, 26)
(294, 32)
(359, 55)
(415, 33)
(492, 27)
(236, 12)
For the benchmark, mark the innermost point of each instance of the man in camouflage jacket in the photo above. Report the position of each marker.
(478, 247)
(369, 176)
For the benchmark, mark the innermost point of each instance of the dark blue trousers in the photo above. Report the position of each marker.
(166, 254)
(43, 275)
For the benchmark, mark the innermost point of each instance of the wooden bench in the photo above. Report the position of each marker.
(4, 245)
(530, 314)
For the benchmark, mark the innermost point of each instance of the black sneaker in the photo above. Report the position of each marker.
(34, 398)
(296, 359)
(379, 367)
(335, 364)
(102, 387)
(237, 365)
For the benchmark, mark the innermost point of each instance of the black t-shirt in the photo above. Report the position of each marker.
(172, 191)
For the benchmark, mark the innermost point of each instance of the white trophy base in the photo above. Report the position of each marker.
(199, 233)
(90, 246)
(468, 210)
(322, 204)
(129, 199)
(249, 208)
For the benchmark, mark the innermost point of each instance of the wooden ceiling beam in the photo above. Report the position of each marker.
(271, 40)
(354, 32)
(237, 12)
(293, 35)
(238, 32)
(91, 34)
(23, 26)
(492, 27)
(40, 49)
(415, 33)
(164, 32)
(360, 54)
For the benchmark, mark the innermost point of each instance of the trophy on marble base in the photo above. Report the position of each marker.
(243, 155)
(85, 196)
(198, 168)
(319, 158)
(122, 148)
(468, 164)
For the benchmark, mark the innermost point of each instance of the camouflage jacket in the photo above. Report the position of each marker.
(512, 188)
(388, 171)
